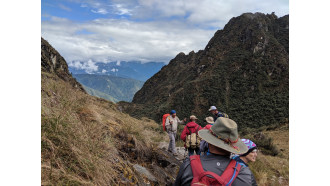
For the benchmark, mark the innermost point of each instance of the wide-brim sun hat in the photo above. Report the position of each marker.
(193, 117)
(209, 119)
(223, 134)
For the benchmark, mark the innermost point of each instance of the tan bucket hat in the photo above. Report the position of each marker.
(193, 117)
(223, 134)
(209, 119)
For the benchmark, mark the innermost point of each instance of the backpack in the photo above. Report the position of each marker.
(192, 140)
(164, 120)
(202, 177)
(223, 114)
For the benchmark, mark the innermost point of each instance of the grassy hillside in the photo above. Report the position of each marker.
(268, 169)
(122, 89)
(87, 141)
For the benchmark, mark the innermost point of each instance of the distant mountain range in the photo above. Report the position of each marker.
(109, 87)
(132, 69)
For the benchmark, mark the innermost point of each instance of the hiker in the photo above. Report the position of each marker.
(204, 146)
(209, 120)
(171, 125)
(190, 137)
(216, 113)
(249, 156)
(223, 140)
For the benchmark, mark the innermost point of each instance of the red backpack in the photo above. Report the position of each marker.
(164, 120)
(202, 177)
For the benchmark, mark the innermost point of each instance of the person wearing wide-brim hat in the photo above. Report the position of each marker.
(223, 140)
(204, 146)
(189, 129)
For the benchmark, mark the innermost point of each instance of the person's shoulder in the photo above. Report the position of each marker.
(245, 171)
(244, 177)
(186, 163)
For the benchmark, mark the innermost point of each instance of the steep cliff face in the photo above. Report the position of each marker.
(52, 62)
(243, 70)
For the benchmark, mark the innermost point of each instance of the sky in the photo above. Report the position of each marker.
(139, 30)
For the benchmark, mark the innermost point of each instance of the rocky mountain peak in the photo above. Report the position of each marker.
(52, 62)
(243, 66)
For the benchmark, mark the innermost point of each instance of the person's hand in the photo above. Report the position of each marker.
(171, 122)
(185, 119)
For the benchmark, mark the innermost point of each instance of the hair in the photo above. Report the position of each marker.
(248, 152)
(217, 150)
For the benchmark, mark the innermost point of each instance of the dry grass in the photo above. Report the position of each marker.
(87, 141)
(78, 144)
(274, 170)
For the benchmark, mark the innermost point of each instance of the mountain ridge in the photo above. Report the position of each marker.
(243, 70)
(121, 89)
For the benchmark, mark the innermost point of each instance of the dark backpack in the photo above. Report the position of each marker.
(202, 177)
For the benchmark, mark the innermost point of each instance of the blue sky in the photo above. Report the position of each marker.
(143, 30)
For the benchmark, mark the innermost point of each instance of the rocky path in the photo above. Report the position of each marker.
(165, 168)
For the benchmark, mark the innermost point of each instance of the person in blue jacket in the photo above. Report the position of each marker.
(249, 156)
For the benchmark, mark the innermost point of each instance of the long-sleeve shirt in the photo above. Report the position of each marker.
(219, 114)
(193, 127)
(174, 126)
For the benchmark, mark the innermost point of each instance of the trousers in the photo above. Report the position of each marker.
(171, 145)
(191, 151)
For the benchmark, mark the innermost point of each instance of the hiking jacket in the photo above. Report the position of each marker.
(174, 126)
(243, 164)
(217, 164)
(193, 127)
(204, 146)
(216, 116)
(239, 160)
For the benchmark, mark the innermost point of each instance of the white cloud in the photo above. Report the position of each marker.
(100, 11)
(208, 12)
(121, 10)
(64, 7)
(163, 29)
(123, 40)
(88, 66)
(114, 70)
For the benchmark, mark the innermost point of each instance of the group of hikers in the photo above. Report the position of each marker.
(221, 156)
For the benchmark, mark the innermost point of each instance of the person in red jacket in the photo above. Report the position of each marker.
(204, 146)
(192, 127)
